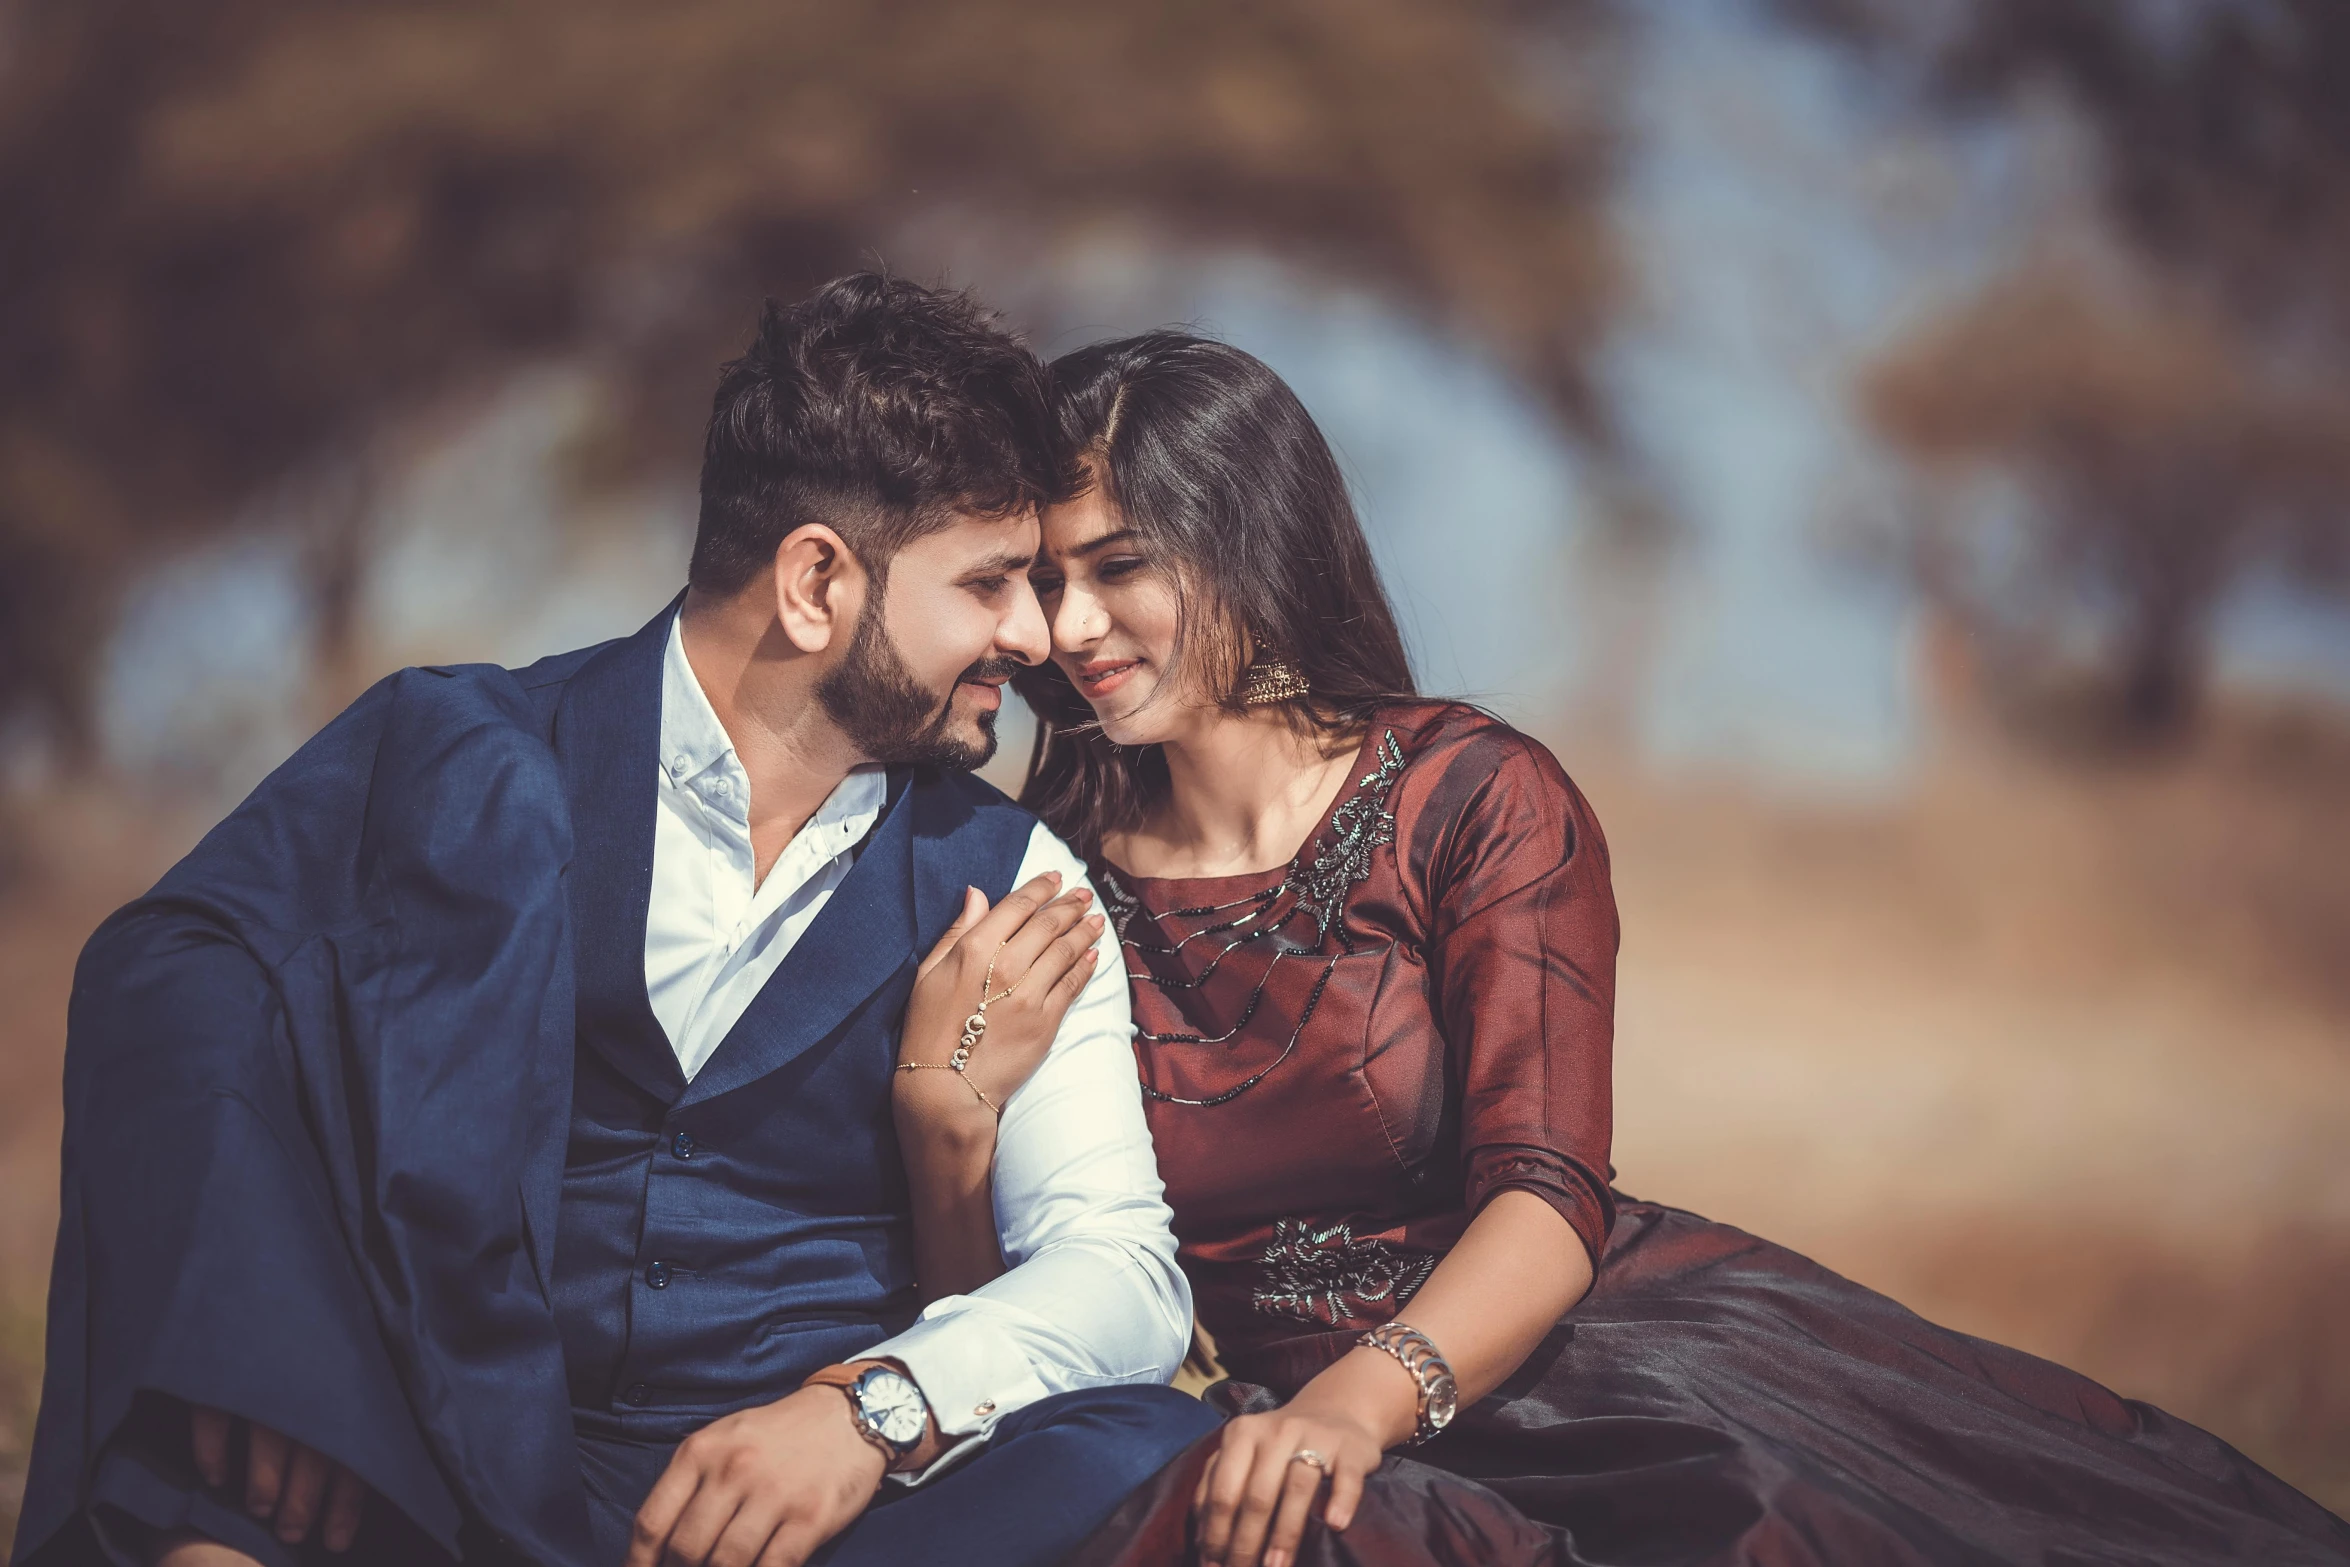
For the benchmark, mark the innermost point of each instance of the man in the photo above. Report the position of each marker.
(481, 1147)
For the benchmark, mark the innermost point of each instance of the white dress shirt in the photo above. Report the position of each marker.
(1093, 1295)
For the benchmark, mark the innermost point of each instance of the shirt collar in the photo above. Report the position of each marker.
(851, 809)
(693, 741)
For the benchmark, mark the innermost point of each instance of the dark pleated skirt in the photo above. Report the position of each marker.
(1718, 1399)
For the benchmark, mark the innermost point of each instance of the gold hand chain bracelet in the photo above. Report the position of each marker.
(974, 1028)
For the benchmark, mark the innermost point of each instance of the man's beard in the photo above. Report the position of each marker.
(886, 712)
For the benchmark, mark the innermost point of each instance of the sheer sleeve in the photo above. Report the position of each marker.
(1522, 933)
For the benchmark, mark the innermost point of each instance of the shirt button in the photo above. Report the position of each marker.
(682, 1145)
(636, 1393)
(985, 1409)
(721, 788)
(658, 1275)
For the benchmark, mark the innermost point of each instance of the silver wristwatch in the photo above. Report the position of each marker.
(889, 1410)
(1440, 1395)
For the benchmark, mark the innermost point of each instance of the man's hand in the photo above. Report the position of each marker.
(765, 1486)
(286, 1484)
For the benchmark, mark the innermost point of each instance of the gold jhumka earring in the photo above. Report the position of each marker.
(1271, 680)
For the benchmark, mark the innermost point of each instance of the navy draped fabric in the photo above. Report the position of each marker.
(317, 1088)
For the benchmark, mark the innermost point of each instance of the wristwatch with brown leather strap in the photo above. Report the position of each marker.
(888, 1410)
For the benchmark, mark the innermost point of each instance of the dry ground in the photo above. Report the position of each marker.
(2057, 1053)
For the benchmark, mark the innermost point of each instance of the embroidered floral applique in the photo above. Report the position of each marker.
(1358, 828)
(1324, 1275)
(1120, 905)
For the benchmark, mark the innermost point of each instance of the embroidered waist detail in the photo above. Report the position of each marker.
(1327, 1276)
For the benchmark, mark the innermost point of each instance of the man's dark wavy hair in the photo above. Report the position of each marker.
(878, 407)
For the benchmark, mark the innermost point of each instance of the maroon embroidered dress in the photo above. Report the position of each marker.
(1343, 1061)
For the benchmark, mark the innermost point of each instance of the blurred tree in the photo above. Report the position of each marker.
(240, 237)
(2171, 396)
(2162, 458)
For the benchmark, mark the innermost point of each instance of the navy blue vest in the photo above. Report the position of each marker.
(719, 1240)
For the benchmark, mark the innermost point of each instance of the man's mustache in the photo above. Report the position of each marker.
(991, 669)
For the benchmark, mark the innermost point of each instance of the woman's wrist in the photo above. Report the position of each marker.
(1367, 1387)
(936, 1113)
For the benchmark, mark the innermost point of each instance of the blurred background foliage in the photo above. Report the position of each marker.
(2167, 371)
(1897, 451)
(242, 236)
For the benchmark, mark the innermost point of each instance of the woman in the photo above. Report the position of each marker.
(1372, 945)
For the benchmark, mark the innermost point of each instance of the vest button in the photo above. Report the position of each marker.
(636, 1394)
(682, 1145)
(658, 1275)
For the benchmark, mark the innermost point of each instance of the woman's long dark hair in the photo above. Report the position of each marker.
(1210, 457)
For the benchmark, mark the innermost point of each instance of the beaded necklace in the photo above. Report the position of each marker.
(1315, 884)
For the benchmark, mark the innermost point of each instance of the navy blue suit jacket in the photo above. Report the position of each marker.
(320, 1082)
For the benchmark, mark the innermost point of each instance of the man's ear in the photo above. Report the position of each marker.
(819, 587)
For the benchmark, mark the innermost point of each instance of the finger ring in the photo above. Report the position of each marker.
(1306, 1455)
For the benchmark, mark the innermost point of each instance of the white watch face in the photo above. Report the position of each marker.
(893, 1406)
(1444, 1401)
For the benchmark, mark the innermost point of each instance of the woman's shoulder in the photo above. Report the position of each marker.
(1465, 773)
(1435, 734)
